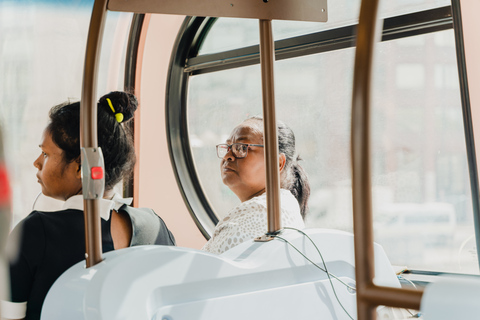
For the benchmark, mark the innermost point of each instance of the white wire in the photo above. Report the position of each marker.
(464, 243)
(326, 271)
(36, 199)
(408, 280)
(413, 284)
(316, 265)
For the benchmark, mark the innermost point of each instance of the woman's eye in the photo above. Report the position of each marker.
(44, 154)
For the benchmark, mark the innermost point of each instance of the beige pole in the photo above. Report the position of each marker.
(267, 56)
(368, 294)
(88, 126)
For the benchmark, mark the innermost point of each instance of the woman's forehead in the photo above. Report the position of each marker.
(46, 139)
(246, 131)
(47, 143)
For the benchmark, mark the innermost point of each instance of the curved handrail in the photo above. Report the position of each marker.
(368, 294)
(88, 130)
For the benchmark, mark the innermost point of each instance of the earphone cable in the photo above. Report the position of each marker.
(316, 265)
(36, 199)
(326, 271)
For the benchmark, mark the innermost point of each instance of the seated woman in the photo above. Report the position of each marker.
(51, 242)
(243, 171)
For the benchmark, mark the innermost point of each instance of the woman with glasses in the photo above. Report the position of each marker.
(243, 171)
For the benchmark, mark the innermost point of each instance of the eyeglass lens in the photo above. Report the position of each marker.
(222, 150)
(239, 150)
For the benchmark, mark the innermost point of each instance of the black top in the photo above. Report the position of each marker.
(52, 242)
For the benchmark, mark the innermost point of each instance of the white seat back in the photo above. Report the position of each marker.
(254, 280)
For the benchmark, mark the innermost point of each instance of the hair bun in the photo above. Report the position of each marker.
(124, 104)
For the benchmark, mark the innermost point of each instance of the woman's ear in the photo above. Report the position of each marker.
(78, 175)
(79, 169)
(281, 161)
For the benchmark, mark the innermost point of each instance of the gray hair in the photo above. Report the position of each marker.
(293, 177)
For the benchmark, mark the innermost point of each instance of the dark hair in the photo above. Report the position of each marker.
(115, 139)
(293, 176)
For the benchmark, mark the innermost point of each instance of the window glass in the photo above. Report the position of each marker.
(42, 56)
(420, 164)
(233, 33)
(214, 109)
(421, 192)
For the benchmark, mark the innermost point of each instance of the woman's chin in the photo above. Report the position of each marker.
(228, 176)
(46, 193)
(229, 180)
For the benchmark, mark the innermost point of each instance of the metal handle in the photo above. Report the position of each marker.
(88, 127)
(368, 294)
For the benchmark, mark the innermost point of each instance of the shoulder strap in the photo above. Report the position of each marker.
(148, 227)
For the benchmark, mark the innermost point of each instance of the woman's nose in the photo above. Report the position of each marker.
(37, 163)
(229, 155)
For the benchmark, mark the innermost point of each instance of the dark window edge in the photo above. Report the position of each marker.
(397, 27)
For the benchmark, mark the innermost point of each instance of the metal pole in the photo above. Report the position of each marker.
(267, 56)
(88, 127)
(361, 183)
(368, 294)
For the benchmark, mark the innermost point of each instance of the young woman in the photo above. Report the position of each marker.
(51, 242)
(243, 171)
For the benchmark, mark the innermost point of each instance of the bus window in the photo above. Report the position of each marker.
(419, 153)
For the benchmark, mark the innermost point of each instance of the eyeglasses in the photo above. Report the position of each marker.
(239, 150)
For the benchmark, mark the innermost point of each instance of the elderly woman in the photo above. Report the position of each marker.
(243, 171)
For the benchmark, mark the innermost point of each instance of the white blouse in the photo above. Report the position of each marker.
(248, 220)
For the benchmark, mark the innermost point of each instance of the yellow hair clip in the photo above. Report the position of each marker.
(118, 115)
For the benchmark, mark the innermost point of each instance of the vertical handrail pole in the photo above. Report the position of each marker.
(267, 57)
(360, 144)
(368, 294)
(88, 127)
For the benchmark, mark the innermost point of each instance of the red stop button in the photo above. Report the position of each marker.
(97, 173)
(5, 191)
